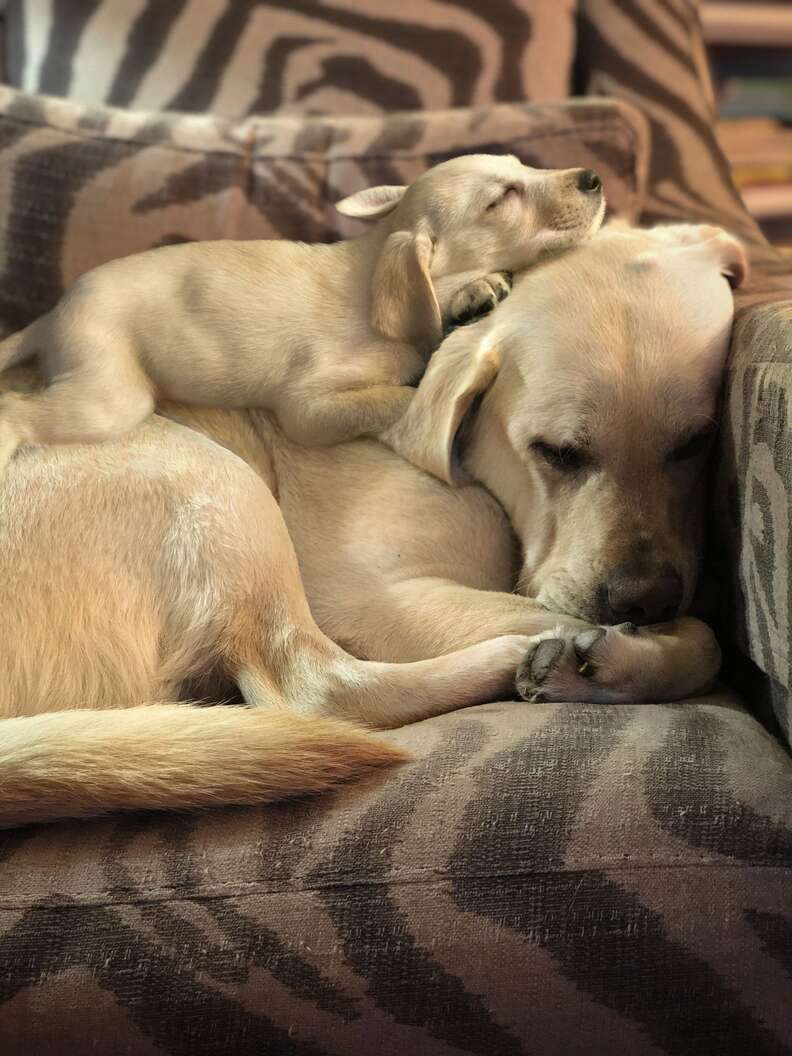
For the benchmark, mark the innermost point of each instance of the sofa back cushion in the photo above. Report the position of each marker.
(83, 185)
(236, 57)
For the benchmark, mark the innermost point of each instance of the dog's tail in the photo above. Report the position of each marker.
(76, 764)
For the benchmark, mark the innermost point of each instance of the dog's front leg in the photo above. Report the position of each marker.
(621, 664)
(425, 616)
(568, 660)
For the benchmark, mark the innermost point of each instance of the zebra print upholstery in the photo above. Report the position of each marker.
(238, 57)
(558, 880)
(553, 880)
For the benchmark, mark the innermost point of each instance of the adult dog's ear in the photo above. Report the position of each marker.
(732, 256)
(714, 242)
(454, 380)
(404, 303)
(371, 203)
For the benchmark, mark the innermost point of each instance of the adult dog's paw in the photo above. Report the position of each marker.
(569, 666)
(479, 297)
(610, 665)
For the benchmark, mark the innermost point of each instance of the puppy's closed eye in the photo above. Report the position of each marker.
(565, 459)
(507, 194)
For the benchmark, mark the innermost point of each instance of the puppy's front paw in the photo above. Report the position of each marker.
(479, 297)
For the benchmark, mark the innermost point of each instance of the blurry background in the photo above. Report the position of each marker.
(750, 46)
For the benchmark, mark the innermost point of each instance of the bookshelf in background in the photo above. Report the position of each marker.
(750, 46)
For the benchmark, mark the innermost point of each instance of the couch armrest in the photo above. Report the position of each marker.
(753, 498)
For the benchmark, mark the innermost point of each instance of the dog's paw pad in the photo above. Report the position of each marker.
(538, 664)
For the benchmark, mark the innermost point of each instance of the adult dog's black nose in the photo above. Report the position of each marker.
(588, 181)
(638, 595)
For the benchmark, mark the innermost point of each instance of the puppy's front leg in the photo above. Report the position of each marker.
(620, 664)
(475, 297)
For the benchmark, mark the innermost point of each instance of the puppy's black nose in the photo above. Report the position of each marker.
(639, 596)
(588, 181)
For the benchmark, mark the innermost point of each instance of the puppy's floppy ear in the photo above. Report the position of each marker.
(454, 380)
(371, 203)
(404, 304)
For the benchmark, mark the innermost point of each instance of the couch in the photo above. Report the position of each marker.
(546, 879)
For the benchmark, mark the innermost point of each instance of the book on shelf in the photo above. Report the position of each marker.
(760, 153)
(746, 23)
(768, 202)
(756, 96)
(750, 46)
(759, 149)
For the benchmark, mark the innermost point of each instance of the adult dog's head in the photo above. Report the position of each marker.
(586, 404)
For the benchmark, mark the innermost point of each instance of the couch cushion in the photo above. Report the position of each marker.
(754, 485)
(235, 57)
(81, 185)
(563, 880)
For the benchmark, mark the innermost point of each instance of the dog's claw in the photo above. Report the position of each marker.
(583, 645)
(627, 628)
(504, 285)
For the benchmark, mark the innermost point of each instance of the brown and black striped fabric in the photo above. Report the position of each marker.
(82, 185)
(237, 57)
(548, 880)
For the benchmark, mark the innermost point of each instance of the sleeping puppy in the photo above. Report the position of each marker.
(324, 336)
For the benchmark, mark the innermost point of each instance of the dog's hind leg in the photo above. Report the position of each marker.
(264, 637)
(287, 662)
(101, 400)
(333, 418)
(281, 659)
(386, 695)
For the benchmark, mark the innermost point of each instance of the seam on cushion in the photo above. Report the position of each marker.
(254, 888)
(621, 125)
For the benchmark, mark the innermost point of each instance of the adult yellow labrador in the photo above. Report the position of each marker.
(212, 548)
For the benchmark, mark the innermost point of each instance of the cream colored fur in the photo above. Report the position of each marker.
(184, 557)
(81, 763)
(325, 336)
